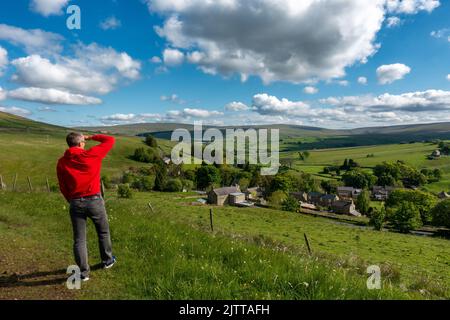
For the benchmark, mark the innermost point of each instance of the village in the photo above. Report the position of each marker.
(343, 202)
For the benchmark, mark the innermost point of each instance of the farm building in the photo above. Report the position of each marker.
(254, 193)
(314, 197)
(381, 193)
(236, 198)
(345, 207)
(221, 196)
(348, 192)
(300, 196)
(328, 199)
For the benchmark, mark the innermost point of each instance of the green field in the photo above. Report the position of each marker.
(414, 154)
(172, 254)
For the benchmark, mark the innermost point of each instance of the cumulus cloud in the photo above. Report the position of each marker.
(111, 23)
(392, 22)
(421, 101)
(52, 96)
(236, 106)
(173, 57)
(411, 6)
(3, 60)
(441, 34)
(362, 80)
(156, 60)
(16, 111)
(94, 70)
(193, 113)
(2, 94)
(389, 73)
(310, 90)
(48, 7)
(173, 99)
(33, 41)
(274, 40)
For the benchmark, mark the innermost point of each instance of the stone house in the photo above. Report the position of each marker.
(221, 196)
(346, 207)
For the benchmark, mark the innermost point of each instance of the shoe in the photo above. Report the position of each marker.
(110, 265)
(85, 278)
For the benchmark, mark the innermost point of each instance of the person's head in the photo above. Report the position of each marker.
(75, 139)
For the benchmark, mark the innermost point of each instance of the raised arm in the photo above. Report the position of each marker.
(101, 150)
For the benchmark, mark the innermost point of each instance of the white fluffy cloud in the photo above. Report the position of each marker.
(392, 22)
(276, 40)
(111, 23)
(173, 57)
(193, 113)
(2, 94)
(421, 101)
(411, 6)
(362, 80)
(48, 7)
(16, 111)
(33, 41)
(93, 70)
(52, 96)
(236, 106)
(389, 73)
(3, 60)
(310, 90)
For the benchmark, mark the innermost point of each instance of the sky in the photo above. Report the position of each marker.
(323, 63)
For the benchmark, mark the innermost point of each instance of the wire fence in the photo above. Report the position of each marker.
(24, 183)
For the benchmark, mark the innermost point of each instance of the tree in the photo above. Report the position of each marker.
(359, 179)
(423, 201)
(441, 214)
(406, 217)
(277, 198)
(304, 155)
(207, 176)
(145, 155)
(151, 141)
(377, 219)
(330, 186)
(290, 204)
(363, 202)
(160, 176)
(173, 185)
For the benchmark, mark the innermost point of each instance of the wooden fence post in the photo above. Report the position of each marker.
(307, 244)
(29, 184)
(48, 185)
(1, 182)
(211, 219)
(15, 182)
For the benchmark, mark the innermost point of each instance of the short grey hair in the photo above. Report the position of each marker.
(74, 139)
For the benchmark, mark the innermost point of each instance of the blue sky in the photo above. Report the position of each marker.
(318, 63)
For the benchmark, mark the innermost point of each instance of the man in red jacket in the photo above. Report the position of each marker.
(79, 180)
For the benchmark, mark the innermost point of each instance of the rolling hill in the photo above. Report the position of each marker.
(306, 138)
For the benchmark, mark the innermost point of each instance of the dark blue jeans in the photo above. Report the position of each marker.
(80, 210)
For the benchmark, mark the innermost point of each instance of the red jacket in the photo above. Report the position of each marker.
(79, 170)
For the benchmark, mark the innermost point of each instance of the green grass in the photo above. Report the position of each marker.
(163, 255)
(414, 154)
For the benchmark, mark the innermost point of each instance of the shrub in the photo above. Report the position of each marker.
(106, 181)
(151, 141)
(160, 177)
(145, 155)
(406, 217)
(363, 202)
(188, 185)
(124, 191)
(441, 214)
(290, 204)
(174, 185)
(207, 176)
(377, 219)
(146, 183)
(277, 198)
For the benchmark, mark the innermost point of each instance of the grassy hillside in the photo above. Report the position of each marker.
(414, 154)
(295, 138)
(32, 149)
(172, 254)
